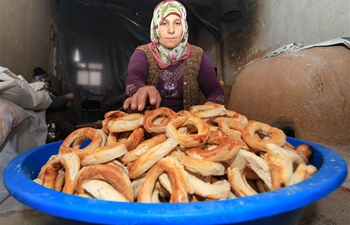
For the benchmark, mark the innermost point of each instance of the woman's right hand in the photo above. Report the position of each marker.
(146, 94)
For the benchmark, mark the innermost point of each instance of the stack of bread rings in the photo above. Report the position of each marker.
(205, 153)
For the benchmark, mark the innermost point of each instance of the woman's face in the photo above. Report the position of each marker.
(170, 31)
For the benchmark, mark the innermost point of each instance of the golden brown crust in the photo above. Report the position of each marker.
(144, 146)
(253, 140)
(222, 152)
(109, 173)
(110, 115)
(207, 111)
(239, 183)
(125, 123)
(177, 175)
(164, 113)
(188, 140)
(151, 157)
(102, 154)
(202, 167)
(70, 162)
(74, 141)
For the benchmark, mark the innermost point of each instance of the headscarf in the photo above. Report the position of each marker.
(166, 57)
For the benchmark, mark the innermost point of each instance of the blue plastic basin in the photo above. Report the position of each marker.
(283, 206)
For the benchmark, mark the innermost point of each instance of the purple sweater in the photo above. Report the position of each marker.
(170, 80)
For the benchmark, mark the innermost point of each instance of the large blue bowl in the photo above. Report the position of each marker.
(283, 206)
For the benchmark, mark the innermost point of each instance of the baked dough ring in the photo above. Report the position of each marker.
(281, 166)
(103, 190)
(230, 127)
(239, 117)
(73, 142)
(222, 152)
(106, 172)
(207, 111)
(166, 114)
(131, 142)
(250, 136)
(151, 157)
(70, 162)
(102, 154)
(239, 183)
(177, 176)
(218, 190)
(188, 140)
(202, 167)
(125, 123)
(110, 115)
(144, 146)
(257, 164)
(303, 151)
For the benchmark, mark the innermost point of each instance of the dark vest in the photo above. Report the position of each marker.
(190, 77)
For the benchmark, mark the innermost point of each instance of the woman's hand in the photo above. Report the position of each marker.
(70, 96)
(146, 94)
(69, 104)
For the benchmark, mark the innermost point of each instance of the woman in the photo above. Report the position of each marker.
(168, 71)
(56, 112)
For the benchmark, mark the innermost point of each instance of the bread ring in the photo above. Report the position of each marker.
(300, 174)
(188, 140)
(166, 114)
(70, 162)
(299, 151)
(303, 172)
(110, 115)
(144, 146)
(125, 123)
(102, 154)
(136, 185)
(202, 167)
(208, 110)
(59, 181)
(276, 136)
(218, 190)
(257, 164)
(281, 166)
(217, 137)
(105, 172)
(73, 141)
(177, 176)
(239, 117)
(183, 113)
(151, 157)
(131, 142)
(222, 152)
(102, 190)
(239, 183)
(231, 127)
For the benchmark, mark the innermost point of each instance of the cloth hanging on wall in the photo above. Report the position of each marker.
(94, 47)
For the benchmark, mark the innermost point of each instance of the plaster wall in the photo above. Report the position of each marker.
(25, 35)
(270, 24)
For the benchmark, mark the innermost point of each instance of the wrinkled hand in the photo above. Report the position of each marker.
(147, 94)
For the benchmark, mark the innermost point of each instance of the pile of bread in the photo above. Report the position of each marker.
(205, 153)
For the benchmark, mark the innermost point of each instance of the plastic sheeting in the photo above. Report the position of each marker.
(94, 47)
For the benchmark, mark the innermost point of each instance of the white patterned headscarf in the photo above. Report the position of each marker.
(166, 57)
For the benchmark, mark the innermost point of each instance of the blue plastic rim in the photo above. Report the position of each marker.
(18, 175)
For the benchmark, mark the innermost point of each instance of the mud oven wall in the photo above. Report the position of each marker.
(306, 93)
